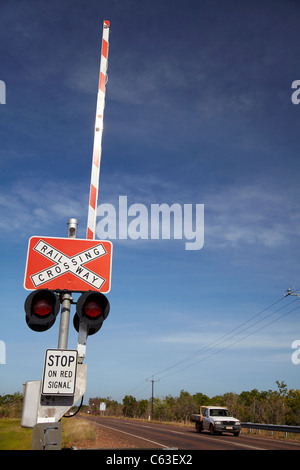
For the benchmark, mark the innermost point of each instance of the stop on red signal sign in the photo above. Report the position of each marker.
(72, 264)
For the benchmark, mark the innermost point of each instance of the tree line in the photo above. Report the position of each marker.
(11, 405)
(280, 406)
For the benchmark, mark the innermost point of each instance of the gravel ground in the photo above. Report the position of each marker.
(109, 439)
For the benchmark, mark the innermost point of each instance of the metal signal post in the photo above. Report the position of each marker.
(66, 298)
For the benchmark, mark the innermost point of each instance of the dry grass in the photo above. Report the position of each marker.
(78, 433)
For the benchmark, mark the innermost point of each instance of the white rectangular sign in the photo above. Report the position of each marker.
(60, 372)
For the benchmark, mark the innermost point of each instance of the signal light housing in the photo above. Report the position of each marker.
(41, 308)
(92, 309)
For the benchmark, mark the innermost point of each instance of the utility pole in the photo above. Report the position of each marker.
(290, 292)
(152, 397)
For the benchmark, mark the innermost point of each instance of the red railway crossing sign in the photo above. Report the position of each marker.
(72, 264)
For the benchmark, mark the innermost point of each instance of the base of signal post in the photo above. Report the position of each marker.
(47, 436)
(52, 408)
(44, 412)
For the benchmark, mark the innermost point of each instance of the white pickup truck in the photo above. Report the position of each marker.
(216, 419)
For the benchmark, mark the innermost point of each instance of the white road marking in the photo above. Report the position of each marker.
(234, 443)
(177, 432)
(129, 434)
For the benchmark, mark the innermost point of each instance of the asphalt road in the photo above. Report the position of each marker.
(160, 436)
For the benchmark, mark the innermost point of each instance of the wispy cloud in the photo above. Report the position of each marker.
(31, 205)
(235, 216)
(250, 214)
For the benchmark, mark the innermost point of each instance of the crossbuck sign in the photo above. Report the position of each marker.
(71, 264)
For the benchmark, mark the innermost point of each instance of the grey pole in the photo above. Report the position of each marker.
(152, 397)
(66, 298)
(72, 228)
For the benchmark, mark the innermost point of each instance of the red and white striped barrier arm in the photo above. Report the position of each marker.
(92, 213)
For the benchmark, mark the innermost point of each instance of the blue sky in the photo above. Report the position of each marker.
(198, 111)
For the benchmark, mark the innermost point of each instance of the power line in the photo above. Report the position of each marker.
(141, 384)
(217, 340)
(205, 349)
(232, 344)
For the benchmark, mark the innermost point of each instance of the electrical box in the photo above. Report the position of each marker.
(31, 399)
